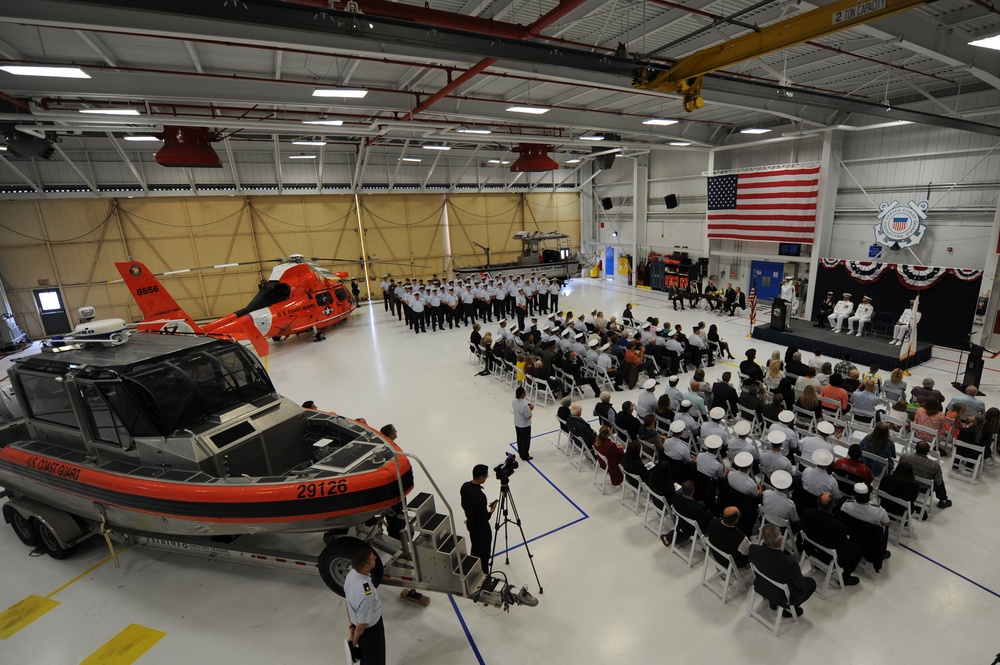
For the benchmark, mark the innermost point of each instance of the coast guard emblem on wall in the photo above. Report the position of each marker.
(901, 224)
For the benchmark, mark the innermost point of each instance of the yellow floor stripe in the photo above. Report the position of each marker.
(22, 614)
(87, 572)
(126, 647)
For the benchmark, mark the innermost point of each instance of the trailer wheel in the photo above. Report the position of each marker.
(335, 563)
(22, 525)
(49, 543)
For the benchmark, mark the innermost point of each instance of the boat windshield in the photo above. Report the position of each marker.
(181, 391)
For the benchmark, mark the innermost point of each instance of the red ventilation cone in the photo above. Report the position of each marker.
(188, 147)
(534, 157)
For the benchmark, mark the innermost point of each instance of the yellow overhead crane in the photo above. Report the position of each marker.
(687, 75)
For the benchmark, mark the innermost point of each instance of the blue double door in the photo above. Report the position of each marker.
(768, 275)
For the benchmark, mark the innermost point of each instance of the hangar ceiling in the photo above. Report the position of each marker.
(246, 70)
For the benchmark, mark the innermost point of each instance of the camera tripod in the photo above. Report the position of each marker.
(503, 520)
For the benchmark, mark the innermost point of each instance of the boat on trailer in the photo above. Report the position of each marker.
(181, 442)
(560, 262)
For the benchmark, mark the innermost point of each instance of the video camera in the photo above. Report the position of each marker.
(505, 470)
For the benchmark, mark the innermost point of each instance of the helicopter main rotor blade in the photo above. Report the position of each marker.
(220, 266)
(359, 261)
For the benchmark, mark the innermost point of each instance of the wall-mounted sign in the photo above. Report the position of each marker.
(901, 224)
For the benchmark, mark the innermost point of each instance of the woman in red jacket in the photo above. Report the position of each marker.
(612, 452)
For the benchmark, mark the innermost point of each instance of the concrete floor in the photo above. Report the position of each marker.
(612, 592)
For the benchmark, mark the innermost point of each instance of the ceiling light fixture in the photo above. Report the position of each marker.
(311, 142)
(347, 93)
(619, 154)
(324, 121)
(3, 148)
(143, 138)
(575, 160)
(410, 159)
(302, 157)
(591, 137)
(532, 110)
(436, 147)
(110, 111)
(660, 121)
(989, 42)
(497, 161)
(39, 70)
(755, 130)
(474, 131)
(680, 144)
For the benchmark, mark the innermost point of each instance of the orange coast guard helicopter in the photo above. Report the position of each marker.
(298, 297)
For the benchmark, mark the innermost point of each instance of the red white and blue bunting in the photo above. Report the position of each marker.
(966, 275)
(917, 278)
(864, 272)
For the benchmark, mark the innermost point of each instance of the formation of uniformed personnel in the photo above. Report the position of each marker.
(458, 301)
(364, 609)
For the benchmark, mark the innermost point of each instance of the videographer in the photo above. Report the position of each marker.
(477, 515)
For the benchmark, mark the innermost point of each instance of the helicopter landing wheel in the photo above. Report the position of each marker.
(318, 337)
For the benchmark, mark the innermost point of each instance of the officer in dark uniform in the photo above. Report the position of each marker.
(825, 309)
(477, 515)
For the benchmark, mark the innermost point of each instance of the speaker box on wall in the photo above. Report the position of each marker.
(671, 201)
(606, 202)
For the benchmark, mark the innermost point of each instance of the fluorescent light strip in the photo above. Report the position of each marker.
(110, 111)
(497, 161)
(755, 130)
(53, 72)
(347, 93)
(308, 142)
(660, 121)
(436, 147)
(332, 123)
(592, 137)
(680, 144)
(575, 160)
(410, 159)
(474, 131)
(532, 110)
(302, 157)
(989, 42)
(143, 138)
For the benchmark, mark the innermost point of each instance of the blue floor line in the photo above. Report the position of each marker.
(465, 627)
(952, 571)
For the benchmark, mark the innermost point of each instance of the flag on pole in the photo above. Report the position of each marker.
(776, 204)
(909, 345)
(753, 303)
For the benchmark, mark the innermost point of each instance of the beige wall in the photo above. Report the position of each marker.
(74, 243)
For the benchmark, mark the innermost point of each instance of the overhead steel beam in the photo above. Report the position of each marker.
(69, 162)
(95, 43)
(128, 162)
(232, 165)
(28, 181)
(265, 24)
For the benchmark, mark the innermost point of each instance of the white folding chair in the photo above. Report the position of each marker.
(728, 574)
(578, 452)
(925, 499)
(920, 433)
(788, 538)
(806, 418)
(966, 467)
(832, 567)
(631, 483)
(687, 553)
(832, 406)
(901, 523)
(772, 624)
(542, 388)
(657, 505)
(559, 437)
(602, 473)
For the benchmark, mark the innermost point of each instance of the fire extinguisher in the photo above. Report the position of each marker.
(600, 265)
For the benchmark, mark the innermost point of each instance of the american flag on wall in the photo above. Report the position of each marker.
(777, 205)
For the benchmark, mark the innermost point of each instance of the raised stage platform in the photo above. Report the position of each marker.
(865, 351)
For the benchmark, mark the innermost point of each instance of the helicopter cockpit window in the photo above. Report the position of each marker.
(270, 293)
(47, 400)
(182, 391)
(324, 298)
